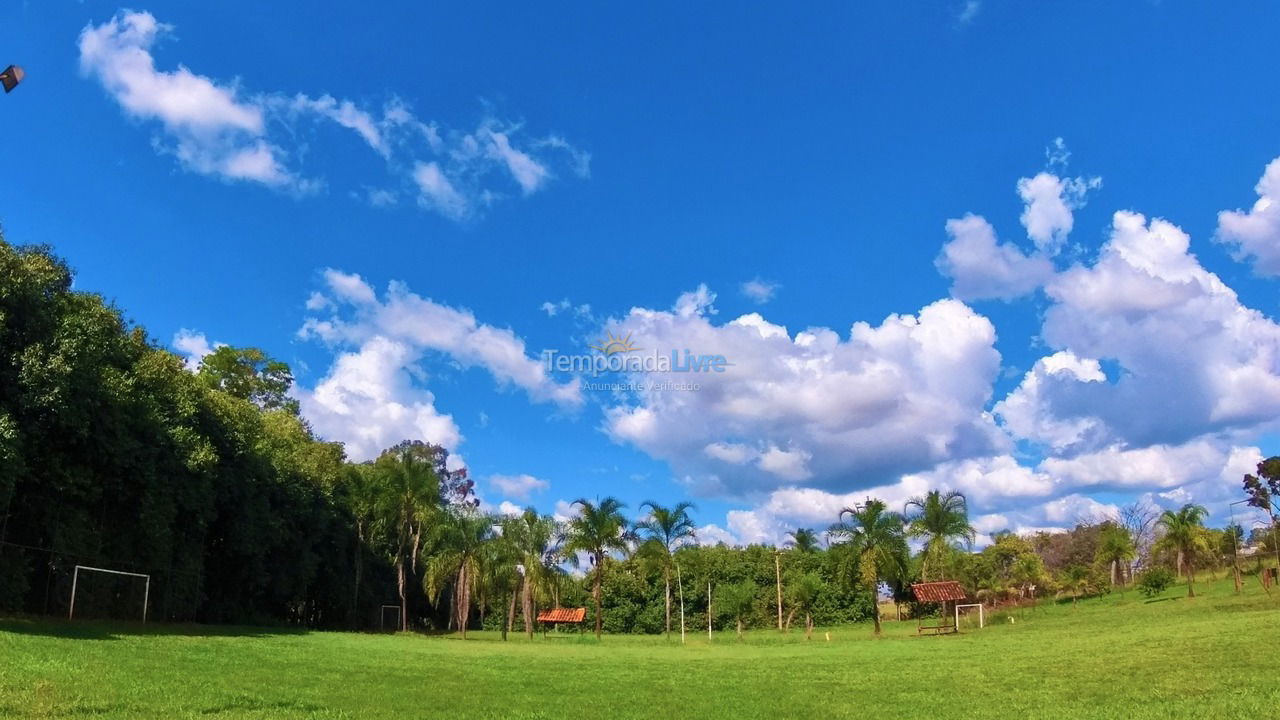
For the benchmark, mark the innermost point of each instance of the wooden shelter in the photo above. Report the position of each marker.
(561, 616)
(941, 592)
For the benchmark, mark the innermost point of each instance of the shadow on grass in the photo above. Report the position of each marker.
(113, 630)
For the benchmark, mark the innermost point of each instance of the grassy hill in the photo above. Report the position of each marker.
(1119, 656)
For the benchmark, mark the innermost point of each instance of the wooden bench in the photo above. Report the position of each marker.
(935, 629)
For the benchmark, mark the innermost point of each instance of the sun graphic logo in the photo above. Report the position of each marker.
(614, 345)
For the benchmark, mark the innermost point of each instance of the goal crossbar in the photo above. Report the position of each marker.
(75, 579)
(382, 616)
(981, 618)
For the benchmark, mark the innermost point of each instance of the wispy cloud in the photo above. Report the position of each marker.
(216, 128)
(758, 291)
(968, 11)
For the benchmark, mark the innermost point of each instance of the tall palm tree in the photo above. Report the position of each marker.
(458, 540)
(1115, 546)
(942, 519)
(361, 492)
(598, 529)
(803, 540)
(877, 546)
(1184, 532)
(497, 573)
(536, 539)
(407, 502)
(666, 528)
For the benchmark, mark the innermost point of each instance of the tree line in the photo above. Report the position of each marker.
(113, 453)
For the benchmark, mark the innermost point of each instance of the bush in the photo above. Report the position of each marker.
(1155, 580)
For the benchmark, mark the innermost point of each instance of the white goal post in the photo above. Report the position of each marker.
(981, 618)
(382, 616)
(75, 579)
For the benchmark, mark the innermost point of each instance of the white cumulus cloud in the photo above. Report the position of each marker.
(813, 406)
(520, 487)
(1255, 233)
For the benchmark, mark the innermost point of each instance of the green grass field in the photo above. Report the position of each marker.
(1114, 657)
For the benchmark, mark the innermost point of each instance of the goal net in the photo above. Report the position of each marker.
(389, 618)
(969, 617)
(103, 593)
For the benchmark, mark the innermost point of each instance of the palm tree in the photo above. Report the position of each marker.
(362, 491)
(803, 540)
(497, 575)
(407, 501)
(1115, 546)
(943, 520)
(598, 529)
(1184, 532)
(877, 544)
(458, 541)
(804, 591)
(536, 539)
(666, 528)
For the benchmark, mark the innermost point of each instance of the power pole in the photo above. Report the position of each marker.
(777, 569)
(680, 586)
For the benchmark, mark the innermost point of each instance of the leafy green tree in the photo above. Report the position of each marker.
(249, 374)
(498, 575)
(536, 539)
(1153, 581)
(735, 601)
(1115, 548)
(1262, 490)
(1076, 579)
(409, 499)
(942, 520)
(597, 530)
(877, 542)
(458, 542)
(804, 592)
(1184, 533)
(665, 528)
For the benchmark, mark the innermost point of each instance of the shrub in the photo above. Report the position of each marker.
(1153, 581)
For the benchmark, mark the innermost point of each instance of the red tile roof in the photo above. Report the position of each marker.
(943, 591)
(563, 615)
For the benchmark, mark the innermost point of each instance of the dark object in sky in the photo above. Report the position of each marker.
(11, 76)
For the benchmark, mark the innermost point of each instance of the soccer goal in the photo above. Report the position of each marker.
(75, 583)
(966, 612)
(382, 618)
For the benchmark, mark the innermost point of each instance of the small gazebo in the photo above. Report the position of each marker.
(560, 616)
(942, 592)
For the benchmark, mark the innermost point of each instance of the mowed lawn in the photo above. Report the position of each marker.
(1217, 656)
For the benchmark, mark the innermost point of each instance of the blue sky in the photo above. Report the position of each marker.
(410, 203)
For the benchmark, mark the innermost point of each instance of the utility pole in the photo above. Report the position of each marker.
(1235, 542)
(680, 586)
(708, 611)
(777, 569)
